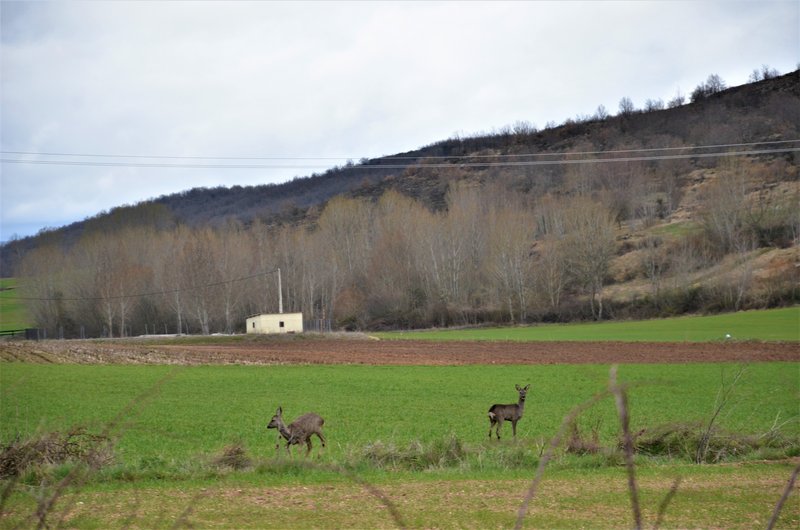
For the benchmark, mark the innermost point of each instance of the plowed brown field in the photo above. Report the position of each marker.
(401, 352)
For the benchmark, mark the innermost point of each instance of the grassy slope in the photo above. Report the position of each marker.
(769, 325)
(12, 311)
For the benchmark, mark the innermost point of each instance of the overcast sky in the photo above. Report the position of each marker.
(325, 80)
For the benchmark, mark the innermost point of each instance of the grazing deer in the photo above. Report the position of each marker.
(299, 431)
(499, 413)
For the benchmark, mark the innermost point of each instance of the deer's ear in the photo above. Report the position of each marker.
(527, 386)
(517, 387)
(279, 412)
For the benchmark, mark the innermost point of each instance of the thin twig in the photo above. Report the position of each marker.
(622, 408)
(778, 507)
(137, 502)
(372, 490)
(183, 518)
(662, 508)
(723, 396)
(68, 508)
(554, 443)
(8, 489)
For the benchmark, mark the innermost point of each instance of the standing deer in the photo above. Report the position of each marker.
(499, 413)
(299, 431)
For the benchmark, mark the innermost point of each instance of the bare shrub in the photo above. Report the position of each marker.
(676, 440)
(233, 456)
(55, 448)
(692, 441)
(441, 453)
(578, 443)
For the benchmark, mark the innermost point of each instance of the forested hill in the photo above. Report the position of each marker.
(682, 206)
(766, 110)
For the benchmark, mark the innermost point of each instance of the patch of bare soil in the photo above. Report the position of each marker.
(401, 352)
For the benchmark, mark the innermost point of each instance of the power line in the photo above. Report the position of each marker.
(441, 157)
(609, 152)
(438, 165)
(171, 157)
(141, 295)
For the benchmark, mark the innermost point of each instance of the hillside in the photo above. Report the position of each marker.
(763, 111)
(731, 220)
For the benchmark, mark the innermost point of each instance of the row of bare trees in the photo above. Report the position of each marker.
(393, 262)
(491, 254)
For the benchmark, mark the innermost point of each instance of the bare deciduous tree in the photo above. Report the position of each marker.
(712, 85)
(394, 276)
(345, 230)
(233, 261)
(550, 264)
(589, 248)
(626, 106)
(651, 105)
(723, 216)
(510, 241)
(677, 100)
(44, 285)
(200, 277)
(549, 251)
(654, 263)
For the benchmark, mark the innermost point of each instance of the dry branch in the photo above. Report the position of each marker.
(622, 408)
(778, 507)
(568, 420)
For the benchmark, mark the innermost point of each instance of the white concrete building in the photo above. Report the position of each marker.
(275, 323)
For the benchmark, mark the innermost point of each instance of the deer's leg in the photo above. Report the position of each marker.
(499, 425)
(308, 446)
(322, 440)
(514, 427)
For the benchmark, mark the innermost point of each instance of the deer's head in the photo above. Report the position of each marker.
(276, 420)
(523, 391)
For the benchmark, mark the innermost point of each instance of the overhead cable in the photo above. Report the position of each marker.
(421, 163)
(378, 159)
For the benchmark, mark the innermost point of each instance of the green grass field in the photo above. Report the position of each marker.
(199, 410)
(13, 314)
(177, 419)
(768, 325)
(416, 432)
